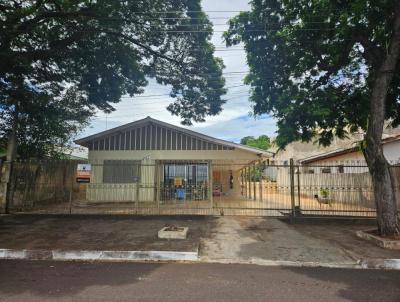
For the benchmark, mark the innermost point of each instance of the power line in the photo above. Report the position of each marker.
(190, 31)
(168, 94)
(127, 115)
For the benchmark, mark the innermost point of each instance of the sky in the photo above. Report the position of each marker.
(233, 123)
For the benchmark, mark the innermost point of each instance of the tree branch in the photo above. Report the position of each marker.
(145, 47)
(59, 48)
(60, 45)
(373, 53)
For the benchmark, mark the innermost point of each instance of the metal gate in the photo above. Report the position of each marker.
(196, 188)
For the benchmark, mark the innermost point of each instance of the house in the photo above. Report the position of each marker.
(339, 169)
(299, 150)
(335, 161)
(75, 153)
(152, 161)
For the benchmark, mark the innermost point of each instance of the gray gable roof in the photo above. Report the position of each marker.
(88, 141)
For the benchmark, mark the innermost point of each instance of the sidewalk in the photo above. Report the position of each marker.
(272, 241)
(228, 239)
(94, 237)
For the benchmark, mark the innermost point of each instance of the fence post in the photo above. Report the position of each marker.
(158, 184)
(292, 199)
(298, 187)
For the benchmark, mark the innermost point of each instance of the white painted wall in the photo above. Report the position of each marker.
(392, 151)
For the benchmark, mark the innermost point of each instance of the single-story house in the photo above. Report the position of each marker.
(335, 161)
(150, 160)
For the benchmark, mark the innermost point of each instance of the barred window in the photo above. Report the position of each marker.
(121, 171)
(326, 170)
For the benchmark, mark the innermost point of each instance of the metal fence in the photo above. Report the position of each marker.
(196, 187)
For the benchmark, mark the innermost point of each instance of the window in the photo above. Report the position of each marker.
(190, 173)
(120, 171)
(326, 170)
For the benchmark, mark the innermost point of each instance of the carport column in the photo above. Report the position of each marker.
(249, 181)
(241, 182)
(292, 187)
(262, 167)
(246, 181)
(254, 181)
(211, 183)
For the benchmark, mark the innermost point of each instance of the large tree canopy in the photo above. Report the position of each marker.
(312, 63)
(325, 68)
(82, 53)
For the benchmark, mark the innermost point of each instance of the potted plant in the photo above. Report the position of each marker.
(324, 196)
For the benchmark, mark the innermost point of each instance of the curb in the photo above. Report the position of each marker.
(392, 264)
(86, 255)
(286, 263)
(174, 256)
(387, 264)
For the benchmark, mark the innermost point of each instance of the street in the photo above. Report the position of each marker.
(80, 281)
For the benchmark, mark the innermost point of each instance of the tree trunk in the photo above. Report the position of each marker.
(8, 166)
(382, 178)
(384, 194)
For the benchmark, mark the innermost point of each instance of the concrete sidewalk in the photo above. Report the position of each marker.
(267, 239)
(259, 240)
(263, 240)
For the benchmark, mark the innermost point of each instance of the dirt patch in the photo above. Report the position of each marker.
(377, 233)
(136, 233)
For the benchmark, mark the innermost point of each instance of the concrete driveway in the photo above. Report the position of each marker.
(247, 238)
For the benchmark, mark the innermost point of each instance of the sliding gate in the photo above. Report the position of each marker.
(337, 189)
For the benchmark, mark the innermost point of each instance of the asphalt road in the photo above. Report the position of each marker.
(78, 281)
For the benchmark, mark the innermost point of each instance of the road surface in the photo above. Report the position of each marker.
(79, 281)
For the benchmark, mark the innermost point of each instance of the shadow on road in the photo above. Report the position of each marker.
(357, 285)
(57, 279)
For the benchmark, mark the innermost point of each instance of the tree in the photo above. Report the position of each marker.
(326, 68)
(261, 142)
(61, 61)
(47, 123)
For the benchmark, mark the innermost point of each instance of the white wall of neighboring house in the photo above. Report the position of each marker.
(391, 151)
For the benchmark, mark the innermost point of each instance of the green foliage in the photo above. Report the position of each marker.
(254, 173)
(261, 142)
(99, 51)
(324, 192)
(313, 63)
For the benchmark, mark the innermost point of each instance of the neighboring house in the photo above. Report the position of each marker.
(299, 150)
(150, 160)
(75, 153)
(352, 156)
